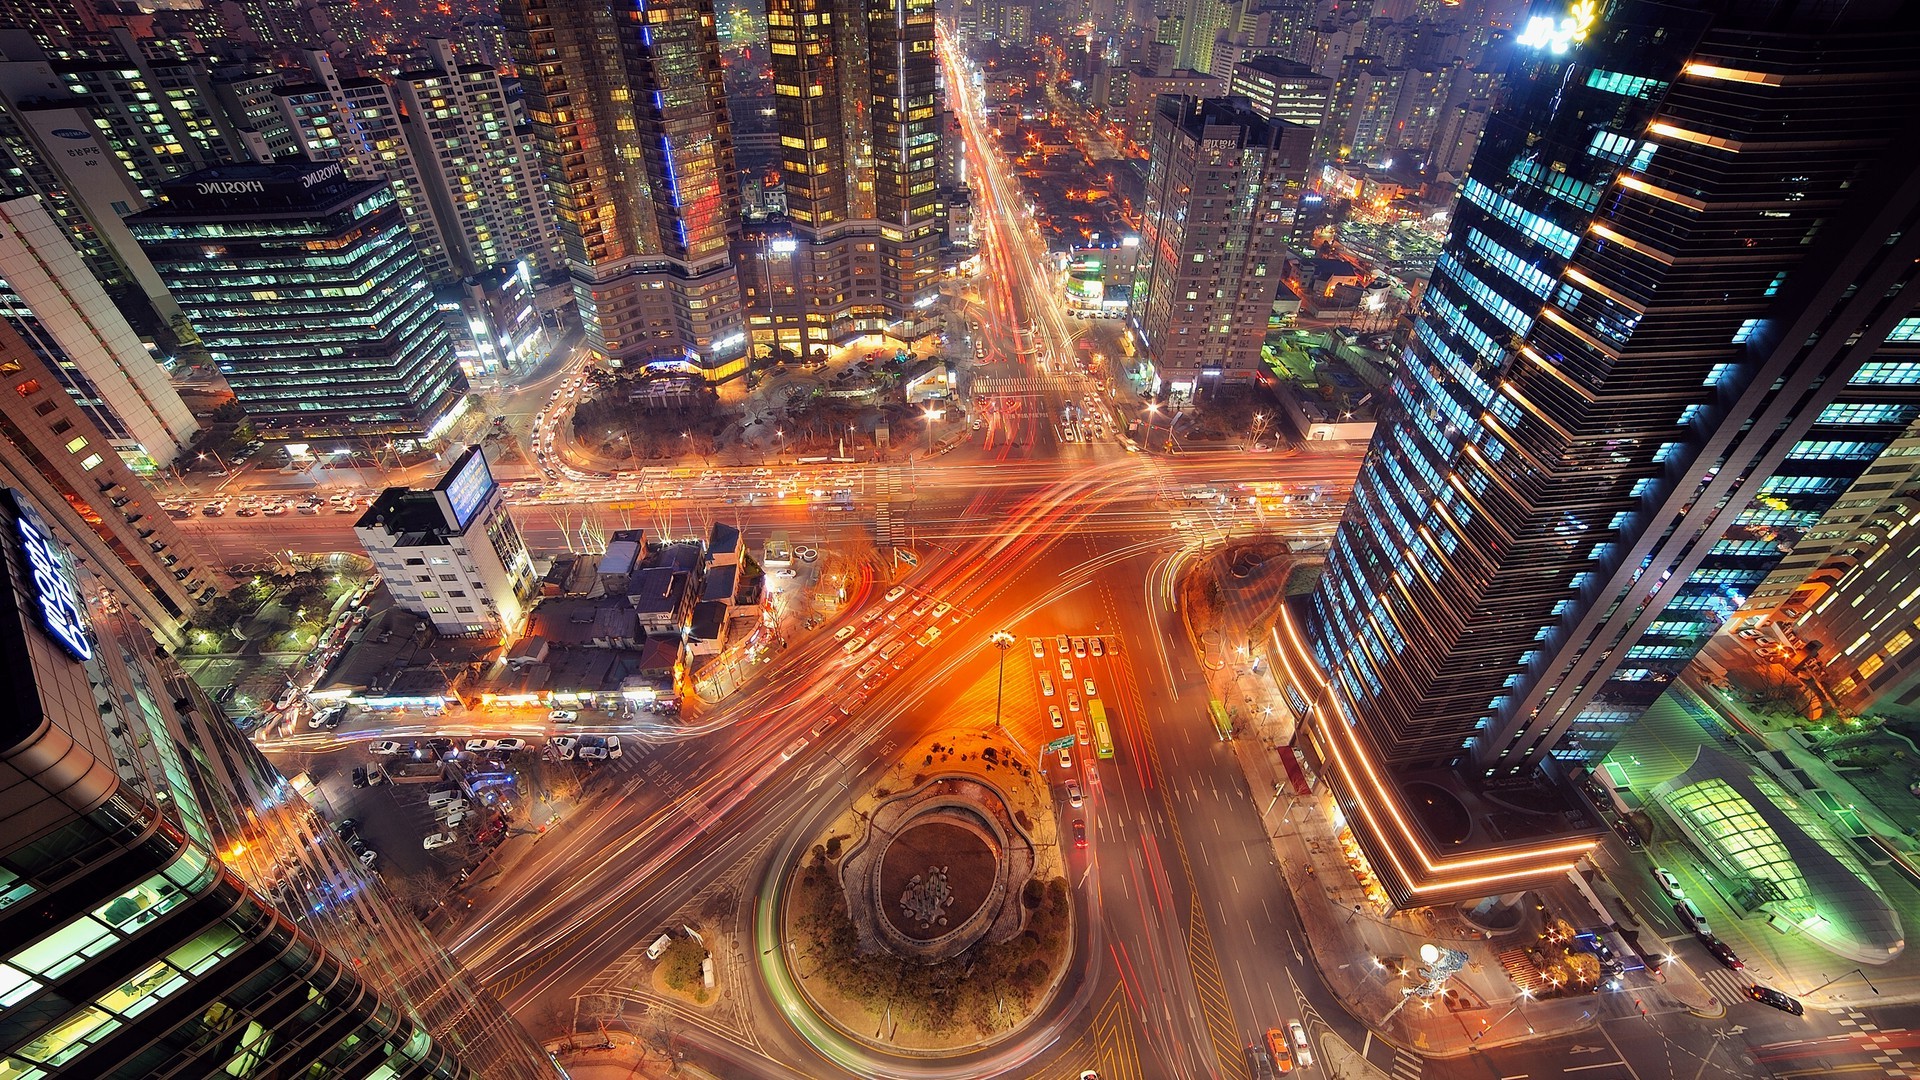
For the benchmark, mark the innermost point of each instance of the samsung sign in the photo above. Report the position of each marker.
(62, 614)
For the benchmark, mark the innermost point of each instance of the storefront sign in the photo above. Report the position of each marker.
(62, 613)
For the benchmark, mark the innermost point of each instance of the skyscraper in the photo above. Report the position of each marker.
(1672, 323)
(855, 88)
(1223, 187)
(630, 113)
(174, 906)
(305, 287)
(48, 296)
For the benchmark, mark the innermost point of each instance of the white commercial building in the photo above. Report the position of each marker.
(452, 555)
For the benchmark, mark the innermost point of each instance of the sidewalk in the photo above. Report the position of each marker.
(619, 1057)
(1359, 950)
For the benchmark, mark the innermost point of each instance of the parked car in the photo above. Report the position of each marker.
(591, 753)
(1690, 917)
(1669, 883)
(613, 746)
(1724, 953)
(1039, 649)
(1767, 995)
(480, 746)
(359, 776)
(438, 840)
(508, 746)
(563, 716)
(369, 858)
(387, 748)
(564, 747)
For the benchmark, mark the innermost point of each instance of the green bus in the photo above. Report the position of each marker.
(1102, 735)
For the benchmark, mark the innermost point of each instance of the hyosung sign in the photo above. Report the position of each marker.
(62, 613)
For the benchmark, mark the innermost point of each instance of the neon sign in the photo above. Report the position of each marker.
(1559, 35)
(61, 612)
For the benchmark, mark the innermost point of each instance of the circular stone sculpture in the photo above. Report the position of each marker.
(936, 874)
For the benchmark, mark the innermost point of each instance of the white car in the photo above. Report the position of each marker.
(843, 633)
(1302, 1053)
(1066, 669)
(1039, 649)
(387, 748)
(1046, 685)
(1098, 649)
(369, 857)
(563, 716)
(508, 746)
(920, 608)
(564, 747)
(1074, 798)
(1087, 685)
(1073, 701)
(613, 746)
(1669, 883)
(896, 593)
(1053, 714)
(1080, 647)
(592, 753)
(940, 609)
(1066, 759)
(480, 746)
(854, 646)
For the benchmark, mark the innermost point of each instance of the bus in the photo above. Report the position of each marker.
(1102, 735)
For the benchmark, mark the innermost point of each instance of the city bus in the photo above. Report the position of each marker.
(1102, 735)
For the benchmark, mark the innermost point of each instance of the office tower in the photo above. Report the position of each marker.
(1189, 29)
(451, 554)
(477, 164)
(306, 289)
(56, 306)
(1223, 187)
(357, 122)
(52, 450)
(175, 907)
(1667, 331)
(855, 92)
(1282, 89)
(1145, 86)
(634, 135)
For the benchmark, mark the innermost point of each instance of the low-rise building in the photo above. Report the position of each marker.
(452, 554)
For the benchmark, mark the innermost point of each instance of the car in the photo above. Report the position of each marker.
(1690, 917)
(1066, 759)
(369, 857)
(1302, 1052)
(359, 776)
(1669, 883)
(932, 635)
(1060, 644)
(867, 669)
(1066, 669)
(1046, 684)
(1073, 701)
(457, 818)
(1278, 1051)
(591, 753)
(346, 825)
(920, 608)
(793, 749)
(564, 746)
(1629, 834)
(563, 716)
(1087, 685)
(1053, 714)
(245, 511)
(1079, 833)
(1080, 731)
(1074, 798)
(480, 746)
(438, 840)
(613, 746)
(940, 609)
(854, 646)
(1767, 995)
(869, 618)
(1080, 647)
(1259, 1064)
(843, 633)
(896, 593)
(309, 509)
(1093, 644)
(387, 748)
(508, 746)
(1724, 953)
(1039, 649)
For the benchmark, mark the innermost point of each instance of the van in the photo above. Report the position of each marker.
(438, 799)
(659, 946)
(892, 650)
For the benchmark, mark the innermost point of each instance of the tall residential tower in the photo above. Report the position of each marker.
(1672, 323)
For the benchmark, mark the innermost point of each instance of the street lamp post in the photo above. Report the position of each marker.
(1524, 995)
(928, 415)
(1842, 975)
(1153, 412)
(224, 471)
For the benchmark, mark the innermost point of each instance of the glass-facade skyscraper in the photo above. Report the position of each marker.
(1673, 321)
(307, 290)
(169, 905)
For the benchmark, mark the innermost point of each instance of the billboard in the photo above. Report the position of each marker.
(465, 489)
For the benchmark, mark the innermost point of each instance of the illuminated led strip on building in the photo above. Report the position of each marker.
(1676, 132)
(1448, 875)
(1634, 183)
(62, 614)
(1726, 74)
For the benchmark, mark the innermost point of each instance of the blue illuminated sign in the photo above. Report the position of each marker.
(467, 489)
(62, 614)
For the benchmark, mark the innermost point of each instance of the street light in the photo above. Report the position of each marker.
(224, 471)
(1003, 641)
(1842, 975)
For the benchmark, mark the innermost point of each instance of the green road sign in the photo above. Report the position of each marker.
(1062, 743)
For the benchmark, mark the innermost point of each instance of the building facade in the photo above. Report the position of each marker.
(305, 287)
(173, 906)
(1281, 89)
(1223, 188)
(1663, 337)
(55, 305)
(637, 145)
(451, 554)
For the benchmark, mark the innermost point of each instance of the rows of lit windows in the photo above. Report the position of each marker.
(1620, 150)
(1788, 485)
(1578, 194)
(1532, 225)
(1887, 373)
(1613, 82)
(1861, 412)
(1537, 281)
(1501, 308)
(1833, 450)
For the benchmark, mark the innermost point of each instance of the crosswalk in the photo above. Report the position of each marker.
(1728, 986)
(1005, 385)
(889, 530)
(1407, 1065)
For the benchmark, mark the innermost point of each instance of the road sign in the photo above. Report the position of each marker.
(905, 556)
(1064, 742)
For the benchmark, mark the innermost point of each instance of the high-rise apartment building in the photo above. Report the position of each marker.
(477, 164)
(173, 906)
(55, 305)
(1223, 188)
(305, 287)
(855, 90)
(1282, 89)
(1669, 329)
(633, 131)
(52, 450)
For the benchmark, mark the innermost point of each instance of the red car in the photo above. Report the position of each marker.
(1079, 833)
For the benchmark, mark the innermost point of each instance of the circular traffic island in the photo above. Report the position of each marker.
(942, 873)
